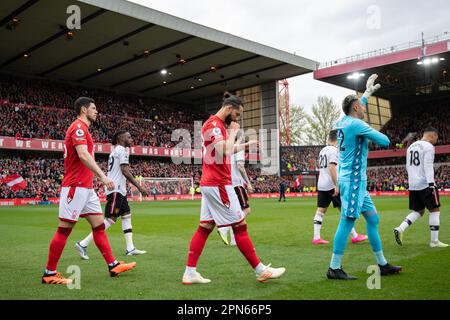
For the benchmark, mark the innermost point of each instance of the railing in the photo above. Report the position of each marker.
(380, 52)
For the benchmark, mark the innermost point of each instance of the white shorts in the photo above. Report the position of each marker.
(221, 206)
(76, 202)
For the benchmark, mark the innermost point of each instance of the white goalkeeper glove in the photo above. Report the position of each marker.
(370, 87)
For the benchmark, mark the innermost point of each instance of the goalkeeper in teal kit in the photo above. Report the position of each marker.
(353, 140)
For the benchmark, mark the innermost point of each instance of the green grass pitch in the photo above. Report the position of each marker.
(281, 233)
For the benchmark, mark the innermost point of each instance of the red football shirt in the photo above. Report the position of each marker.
(215, 172)
(76, 174)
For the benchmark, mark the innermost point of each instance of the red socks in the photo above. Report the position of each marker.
(245, 245)
(197, 244)
(56, 247)
(102, 243)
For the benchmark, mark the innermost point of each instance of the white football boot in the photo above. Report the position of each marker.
(135, 252)
(194, 279)
(82, 251)
(270, 273)
(438, 244)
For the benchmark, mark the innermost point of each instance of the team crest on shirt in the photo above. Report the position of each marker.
(79, 133)
(217, 132)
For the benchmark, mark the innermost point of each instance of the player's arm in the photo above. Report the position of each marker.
(226, 147)
(428, 159)
(245, 146)
(243, 172)
(332, 168)
(363, 129)
(125, 168)
(87, 159)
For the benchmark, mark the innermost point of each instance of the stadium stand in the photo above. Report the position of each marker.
(43, 109)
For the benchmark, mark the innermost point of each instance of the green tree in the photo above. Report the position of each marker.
(297, 116)
(325, 114)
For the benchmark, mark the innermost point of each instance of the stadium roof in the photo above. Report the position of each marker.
(124, 46)
(399, 73)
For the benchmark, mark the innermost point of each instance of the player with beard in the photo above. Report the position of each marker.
(220, 205)
(78, 198)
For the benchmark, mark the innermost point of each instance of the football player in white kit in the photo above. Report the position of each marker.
(423, 192)
(328, 190)
(117, 203)
(241, 184)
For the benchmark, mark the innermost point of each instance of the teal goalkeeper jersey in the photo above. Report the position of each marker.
(353, 144)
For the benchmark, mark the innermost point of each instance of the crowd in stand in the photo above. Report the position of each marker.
(407, 127)
(299, 159)
(33, 108)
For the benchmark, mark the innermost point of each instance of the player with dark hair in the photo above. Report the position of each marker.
(78, 198)
(353, 144)
(423, 192)
(220, 205)
(328, 189)
(117, 203)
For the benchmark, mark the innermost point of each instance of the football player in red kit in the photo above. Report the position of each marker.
(220, 205)
(78, 198)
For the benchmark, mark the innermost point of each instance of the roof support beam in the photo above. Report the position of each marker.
(137, 57)
(104, 46)
(51, 38)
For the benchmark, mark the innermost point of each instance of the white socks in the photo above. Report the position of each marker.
(85, 242)
(353, 233)
(409, 220)
(259, 269)
(128, 232)
(318, 218)
(190, 271)
(434, 226)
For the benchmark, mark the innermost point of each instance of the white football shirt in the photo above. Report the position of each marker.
(328, 155)
(120, 155)
(236, 176)
(419, 164)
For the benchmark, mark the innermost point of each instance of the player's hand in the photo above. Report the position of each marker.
(234, 126)
(143, 192)
(108, 183)
(371, 87)
(250, 188)
(336, 192)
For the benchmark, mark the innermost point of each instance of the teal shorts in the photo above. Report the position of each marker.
(355, 199)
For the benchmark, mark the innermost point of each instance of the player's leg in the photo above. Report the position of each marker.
(92, 212)
(340, 242)
(127, 229)
(242, 197)
(433, 204)
(349, 206)
(418, 209)
(198, 241)
(372, 221)
(318, 219)
(110, 219)
(72, 200)
(324, 199)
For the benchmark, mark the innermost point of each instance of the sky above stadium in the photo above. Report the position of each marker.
(321, 30)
